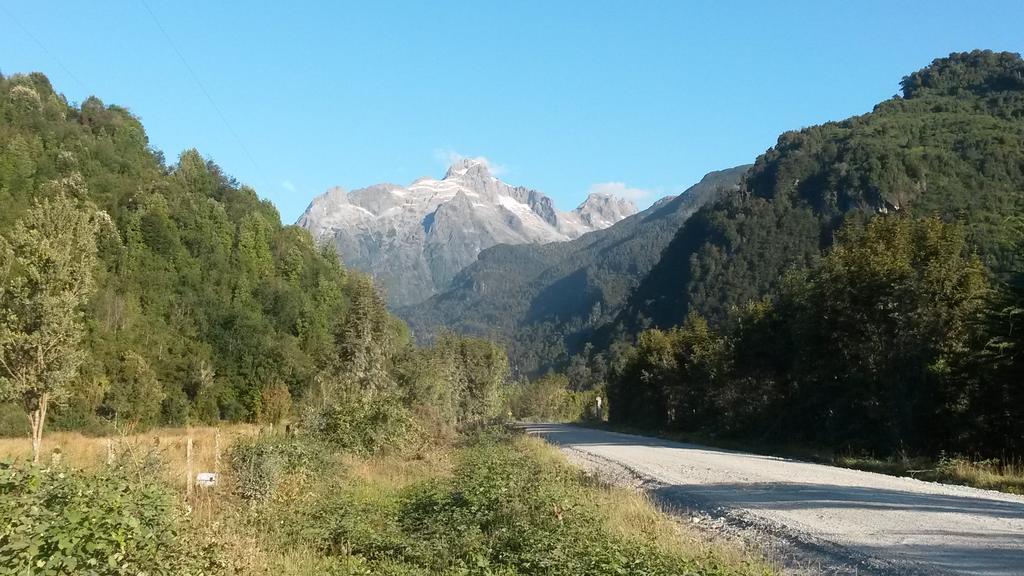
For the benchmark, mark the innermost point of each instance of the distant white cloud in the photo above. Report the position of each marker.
(288, 185)
(446, 157)
(620, 189)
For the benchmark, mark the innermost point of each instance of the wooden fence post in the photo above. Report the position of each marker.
(216, 459)
(188, 467)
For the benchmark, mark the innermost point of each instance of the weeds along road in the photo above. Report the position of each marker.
(810, 517)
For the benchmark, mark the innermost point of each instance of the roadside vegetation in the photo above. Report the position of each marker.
(489, 502)
(992, 474)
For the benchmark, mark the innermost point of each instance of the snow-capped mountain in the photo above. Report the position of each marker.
(415, 239)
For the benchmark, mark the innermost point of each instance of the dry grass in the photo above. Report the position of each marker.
(633, 515)
(90, 453)
(986, 474)
(395, 471)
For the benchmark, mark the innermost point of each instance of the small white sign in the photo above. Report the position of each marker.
(206, 479)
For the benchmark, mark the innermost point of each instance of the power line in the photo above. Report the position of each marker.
(44, 49)
(202, 88)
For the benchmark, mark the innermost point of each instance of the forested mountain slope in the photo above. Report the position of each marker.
(952, 146)
(543, 300)
(204, 300)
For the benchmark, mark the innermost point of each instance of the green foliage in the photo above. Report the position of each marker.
(505, 510)
(58, 521)
(867, 346)
(46, 277)
(135, 395)
(259, 463)
(953, 147)
(195, 275)
(980, 72)
(550, 399)
(996, 370)
(672, 376)
(480, 371)
(879, 327)
(360, 421)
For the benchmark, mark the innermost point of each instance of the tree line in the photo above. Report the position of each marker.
(897, 339)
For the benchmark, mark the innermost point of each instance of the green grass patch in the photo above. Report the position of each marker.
(506, 505)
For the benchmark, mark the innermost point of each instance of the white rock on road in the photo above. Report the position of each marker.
(845, 521)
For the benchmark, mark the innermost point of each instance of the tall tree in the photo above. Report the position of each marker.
(881, 322)
(48, 261)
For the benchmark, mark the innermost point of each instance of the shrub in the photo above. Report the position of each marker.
(360, 424)
(259, 463)
(505, 511)
(550, 399)
(12, 420)
(59, 521)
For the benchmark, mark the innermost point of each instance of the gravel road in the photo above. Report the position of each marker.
(810, 517)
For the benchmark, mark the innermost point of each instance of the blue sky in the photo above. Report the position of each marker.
(640, 97)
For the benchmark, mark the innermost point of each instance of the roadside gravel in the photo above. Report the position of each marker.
(812, 518)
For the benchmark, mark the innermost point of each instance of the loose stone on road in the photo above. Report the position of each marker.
(846, 521)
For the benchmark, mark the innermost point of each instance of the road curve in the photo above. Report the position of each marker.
(858, 522)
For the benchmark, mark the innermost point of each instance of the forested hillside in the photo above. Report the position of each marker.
(204, 306)
(952, 146)
(860, 291)
(544, 300)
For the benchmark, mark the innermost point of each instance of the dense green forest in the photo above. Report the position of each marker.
(543, 301)
(196, 304)
(894, 341)
(952, 145)
(861, 289)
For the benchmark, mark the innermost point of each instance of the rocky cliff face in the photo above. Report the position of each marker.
(415, 239)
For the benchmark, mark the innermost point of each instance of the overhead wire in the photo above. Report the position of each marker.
(43, 47)
(202, 87)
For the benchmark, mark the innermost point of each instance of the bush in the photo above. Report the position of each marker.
(59, 521)
(359, 424)
(550, 399)
(505, 511)
(259, 463)
(13, 421)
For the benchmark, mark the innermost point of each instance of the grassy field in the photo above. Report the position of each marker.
(91, 452)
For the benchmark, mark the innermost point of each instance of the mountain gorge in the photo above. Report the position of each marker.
(415, 239)
(543, 300)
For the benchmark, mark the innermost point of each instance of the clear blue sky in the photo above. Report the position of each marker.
(562, 96)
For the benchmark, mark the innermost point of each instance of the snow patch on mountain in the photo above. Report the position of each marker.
(415, 239)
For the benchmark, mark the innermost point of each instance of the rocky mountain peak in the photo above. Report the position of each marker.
(414, 239)
(468, 167)
(601, 210)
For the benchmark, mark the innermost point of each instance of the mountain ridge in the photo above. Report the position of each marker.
(951, 146)
(550, 296)
(415, 239)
